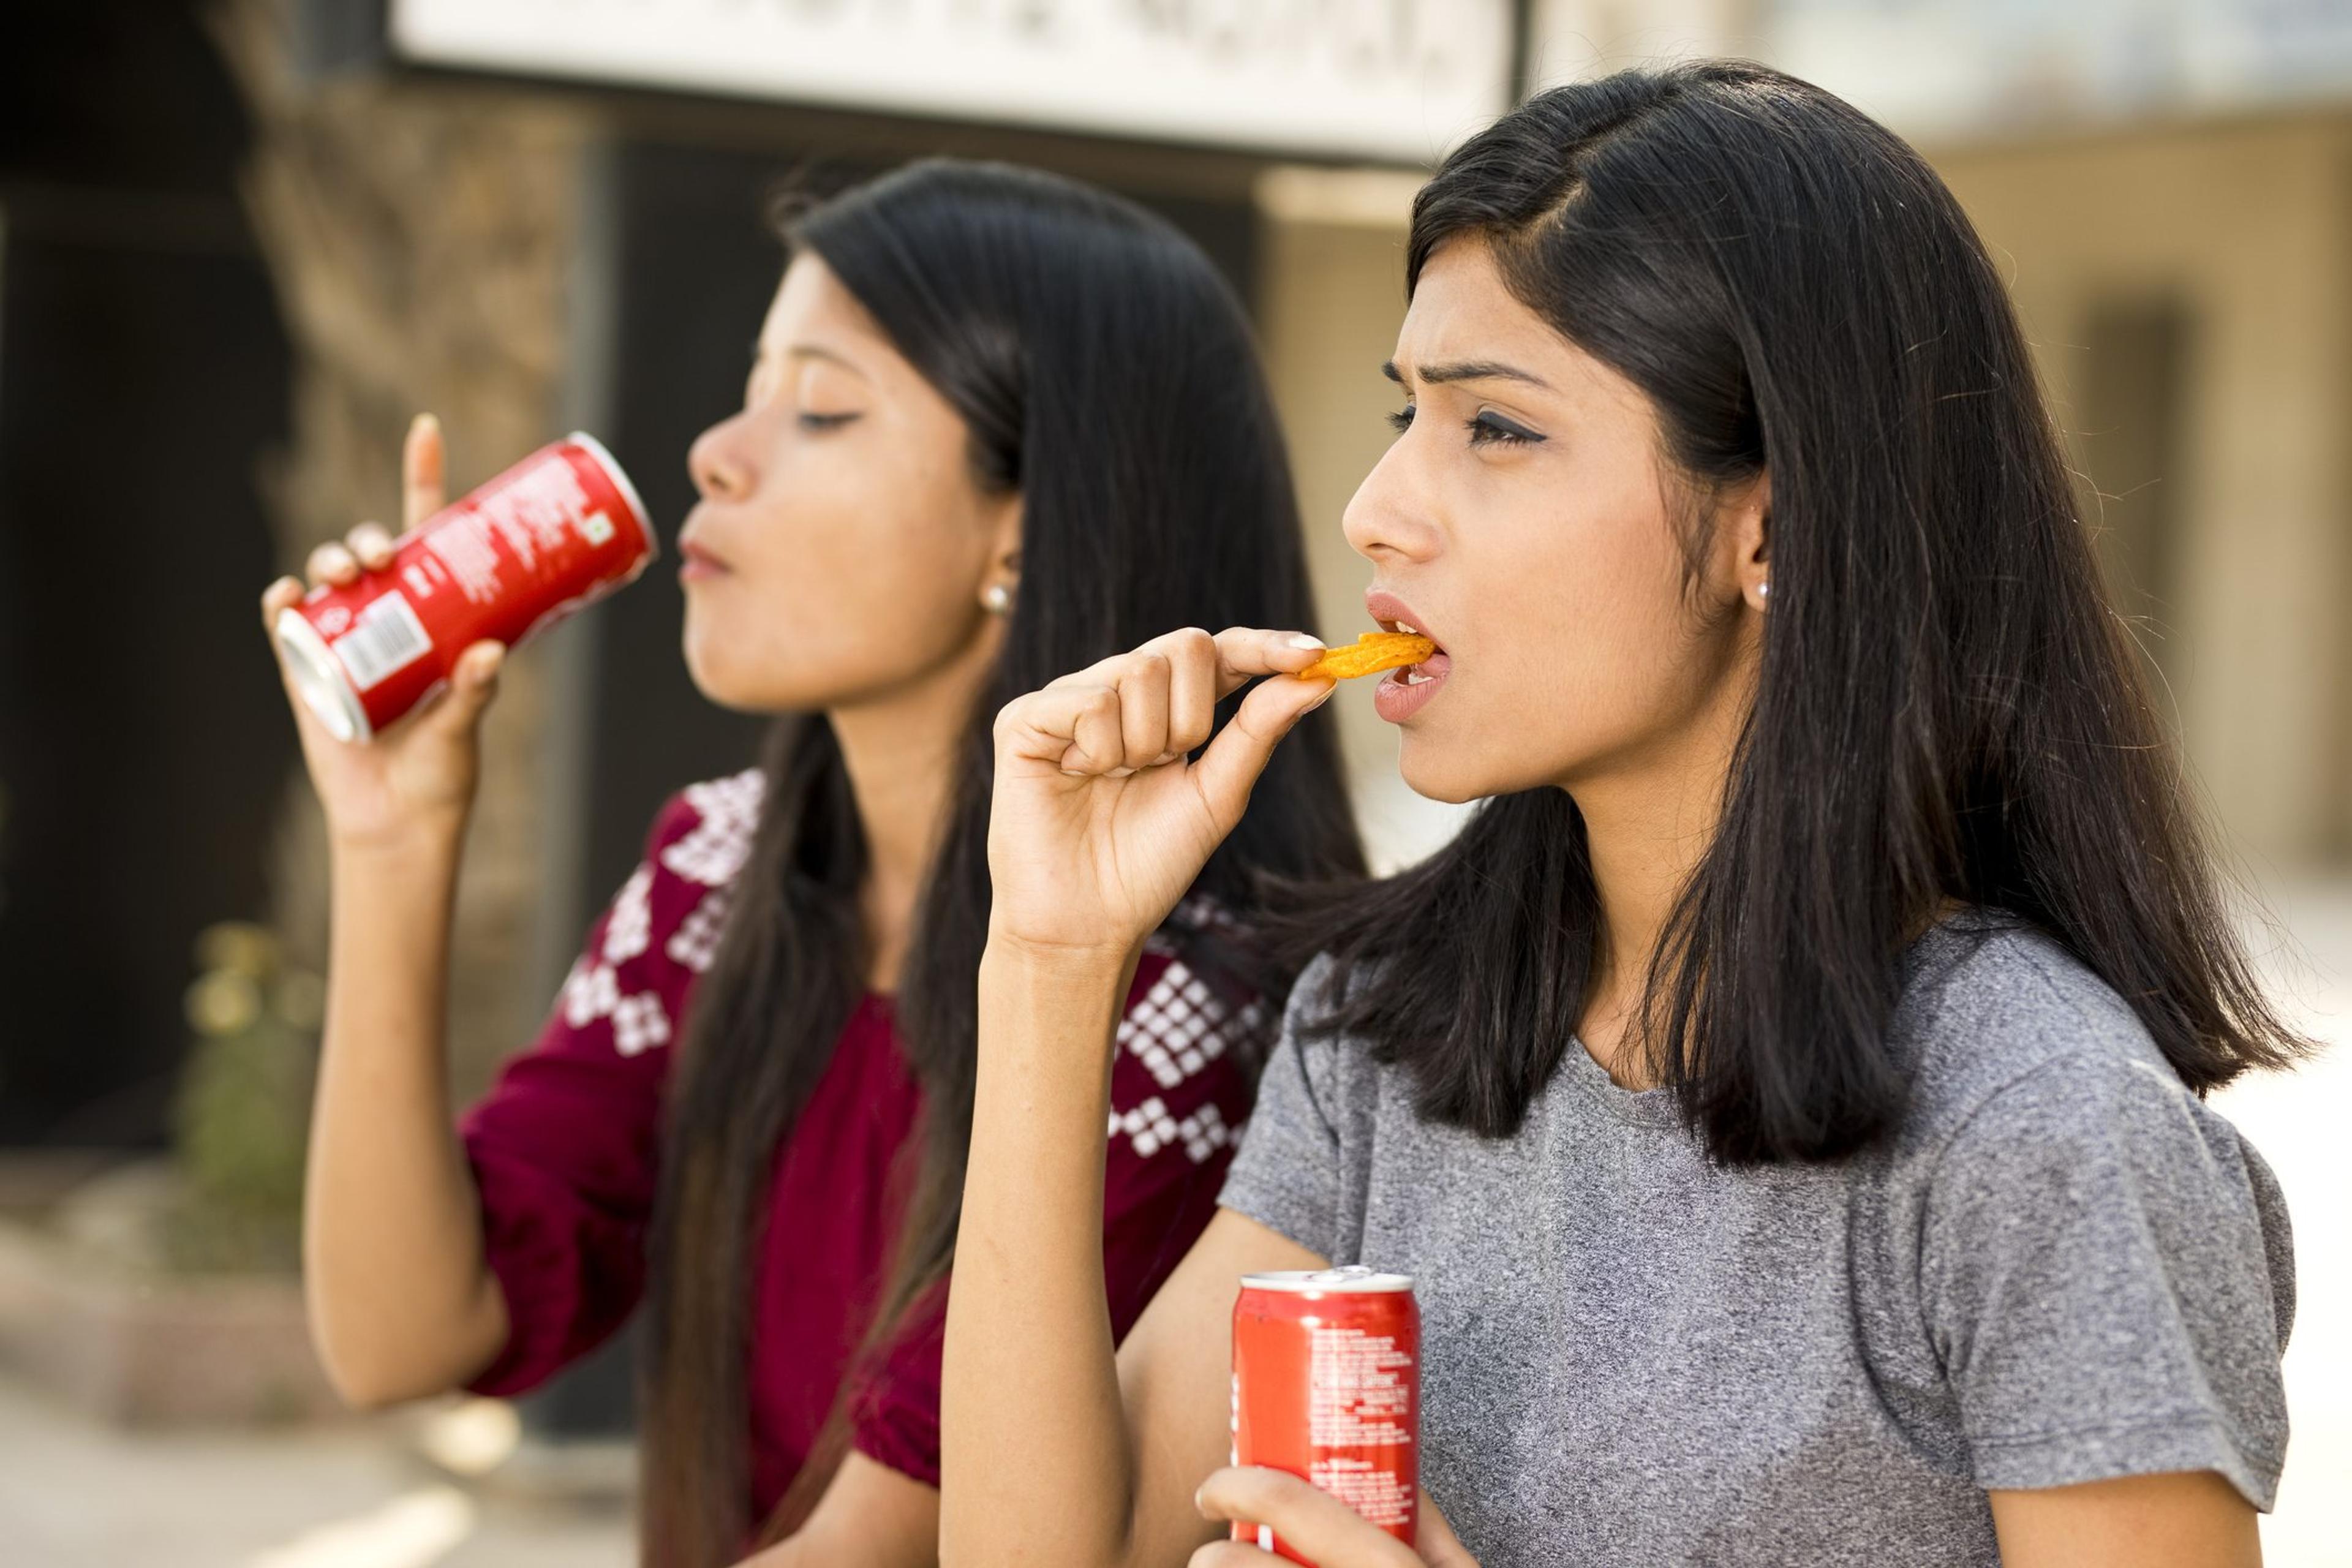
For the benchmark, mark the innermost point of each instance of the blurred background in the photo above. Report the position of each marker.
(242, 241)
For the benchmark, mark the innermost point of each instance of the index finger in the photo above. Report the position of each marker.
(1310, 1520)
(1245, 653)
(423, 486)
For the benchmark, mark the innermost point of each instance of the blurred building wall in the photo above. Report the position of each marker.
(2225, 492)
(1332, 289)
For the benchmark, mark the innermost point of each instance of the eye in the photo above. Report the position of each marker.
(1489, 427)
(1402, 420)
(822, 422)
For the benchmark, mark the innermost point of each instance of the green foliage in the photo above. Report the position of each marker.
(243, 1114)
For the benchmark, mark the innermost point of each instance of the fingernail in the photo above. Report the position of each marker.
(422, 424)
(1301, 640)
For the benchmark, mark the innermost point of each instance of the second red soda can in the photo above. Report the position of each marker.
(1327, 1385)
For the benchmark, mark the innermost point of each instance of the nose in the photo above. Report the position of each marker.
(1390, 518)
(721, 461)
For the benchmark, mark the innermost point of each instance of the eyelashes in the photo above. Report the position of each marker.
(1487, 428)
(823, 422)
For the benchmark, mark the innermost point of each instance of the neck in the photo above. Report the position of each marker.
(899, 750)
(1647, 827)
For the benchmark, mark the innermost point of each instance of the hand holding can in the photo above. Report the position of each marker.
(558, 531)
(1327, 1386)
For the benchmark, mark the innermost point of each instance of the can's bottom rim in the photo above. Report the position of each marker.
(319, 677)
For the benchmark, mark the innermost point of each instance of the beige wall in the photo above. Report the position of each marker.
(2247, 227)
(1332, 296)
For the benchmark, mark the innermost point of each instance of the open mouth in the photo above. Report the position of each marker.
(1402, 693)
(1415, 674)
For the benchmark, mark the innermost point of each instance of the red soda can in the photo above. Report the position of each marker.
(560, 529)
(1327, 1385)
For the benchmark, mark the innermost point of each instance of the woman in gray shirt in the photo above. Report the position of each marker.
(1787, 1091)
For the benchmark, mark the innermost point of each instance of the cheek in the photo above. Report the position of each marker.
(1582, 642)
(859, 579)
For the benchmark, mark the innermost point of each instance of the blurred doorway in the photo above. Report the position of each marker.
(144, 748)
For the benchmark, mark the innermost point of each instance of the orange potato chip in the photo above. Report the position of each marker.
(1373, 652)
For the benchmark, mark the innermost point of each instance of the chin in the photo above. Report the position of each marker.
(723, 680)
(1436, 773)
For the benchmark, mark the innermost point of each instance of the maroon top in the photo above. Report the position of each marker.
(565, 1149)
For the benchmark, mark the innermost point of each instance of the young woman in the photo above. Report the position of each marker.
(999, 425)
(1786, 1091)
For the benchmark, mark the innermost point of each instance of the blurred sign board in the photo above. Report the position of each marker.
(2007, 65)
(1968, 68)
(1396, 80)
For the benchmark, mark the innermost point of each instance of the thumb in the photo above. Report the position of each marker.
(472, 681)
(1229, 769)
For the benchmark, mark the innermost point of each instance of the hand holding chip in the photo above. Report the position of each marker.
(1102, 815)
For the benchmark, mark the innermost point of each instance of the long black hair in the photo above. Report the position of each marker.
(1946, 708)
(1106, 374)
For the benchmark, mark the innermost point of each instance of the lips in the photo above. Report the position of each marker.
(1405, 692)
(697, 561)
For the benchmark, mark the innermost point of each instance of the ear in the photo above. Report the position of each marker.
(1743, 525)
(1004, 540)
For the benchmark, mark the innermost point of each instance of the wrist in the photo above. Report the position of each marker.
(1082, 966)
(427, 842)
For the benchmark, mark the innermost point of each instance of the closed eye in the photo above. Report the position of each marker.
(819, 422)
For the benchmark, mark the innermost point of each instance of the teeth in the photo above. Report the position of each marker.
(1409, 628)
(1414, 676)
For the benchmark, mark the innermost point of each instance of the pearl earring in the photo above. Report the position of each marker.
(996, 598)
(1764, 590)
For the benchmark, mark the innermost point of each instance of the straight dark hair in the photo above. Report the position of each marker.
(1948, 709)
(1107, 373)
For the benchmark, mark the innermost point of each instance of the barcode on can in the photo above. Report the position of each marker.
(385, 639)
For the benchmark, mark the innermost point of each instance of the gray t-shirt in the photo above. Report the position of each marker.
(2061, 1267)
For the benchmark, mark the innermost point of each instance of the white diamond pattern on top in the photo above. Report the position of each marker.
(1175, 1030)
(1181, 1026)
(628, 927)
(590, 992)
(640, 1022)
(696, 941)
(1151, 1127)
(727, 810)
(712, 852)
(1199, 912)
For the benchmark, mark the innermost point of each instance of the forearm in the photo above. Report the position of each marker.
(401, 1302)
(1032, 1429)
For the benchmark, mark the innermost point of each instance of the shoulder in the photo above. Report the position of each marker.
(2037, 1087)
(1326, 1052)
(703, 833)
(1995, 1013)
(678, 896)
(661, 930)
(1320, 1075)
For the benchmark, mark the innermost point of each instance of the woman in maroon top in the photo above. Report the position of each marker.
(998, 425)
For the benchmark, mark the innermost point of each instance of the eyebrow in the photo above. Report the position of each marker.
(809, 350)
(1467, 370)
